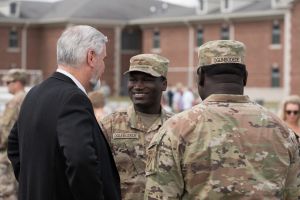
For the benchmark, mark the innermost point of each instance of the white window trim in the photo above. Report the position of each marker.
(156, 50)
(275, 46)
(13, 49)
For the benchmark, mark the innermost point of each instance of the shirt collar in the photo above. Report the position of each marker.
(228, 98)
(73, 79)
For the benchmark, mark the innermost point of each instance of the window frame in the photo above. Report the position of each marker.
(275, 76)
(225, 35)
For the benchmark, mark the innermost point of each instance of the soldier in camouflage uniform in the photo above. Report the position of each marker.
(15, 81)
(130, 131)
(227, 147)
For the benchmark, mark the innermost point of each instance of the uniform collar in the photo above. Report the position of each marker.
(136, 123)
(227, 98)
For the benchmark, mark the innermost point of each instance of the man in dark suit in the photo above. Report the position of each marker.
(56, 147)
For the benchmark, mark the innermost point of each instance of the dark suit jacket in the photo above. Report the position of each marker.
(57, 148)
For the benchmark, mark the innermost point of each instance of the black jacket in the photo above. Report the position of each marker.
(57, 148)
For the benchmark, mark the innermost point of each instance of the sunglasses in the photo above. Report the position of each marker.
(289, 112)
(9, 82)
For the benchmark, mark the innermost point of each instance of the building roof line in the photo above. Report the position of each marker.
(82, 20)
(194, 18)
(63, 20)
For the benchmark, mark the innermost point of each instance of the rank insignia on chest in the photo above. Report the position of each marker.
(125, 136)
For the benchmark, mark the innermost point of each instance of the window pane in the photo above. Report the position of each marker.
(275, 77)
(276, 34)
(201, 6)
(13, 39)
(226, 4)
(225, 33)
(13, 8)
(199, 37)
(131, 39)
(156, 40)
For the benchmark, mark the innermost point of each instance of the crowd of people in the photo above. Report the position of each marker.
(60, 141)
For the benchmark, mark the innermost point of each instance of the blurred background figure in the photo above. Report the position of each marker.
(188, 98)
(105, 89)
(15, 81)
(289, 112)
(170, 96)
(178, 98)
(98, 100)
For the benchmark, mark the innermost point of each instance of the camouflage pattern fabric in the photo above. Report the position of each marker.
(8, 184)
(221, 51)
(227, 147)
(152, 64)
(129, 140)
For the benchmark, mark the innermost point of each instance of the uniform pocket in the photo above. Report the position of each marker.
(152, 153)
(127, 155)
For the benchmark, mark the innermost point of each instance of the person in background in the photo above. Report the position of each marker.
(98, 101)
(188, 98)
(290, 113)
(170, 96)
(130, 131)
(15, 81)
(178, 98)
(227, 147)
(56, 146)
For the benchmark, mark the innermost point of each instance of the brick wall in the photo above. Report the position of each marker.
(173, 45)
(260, 55)
(256, 35)
(9, 57)
(34, 46)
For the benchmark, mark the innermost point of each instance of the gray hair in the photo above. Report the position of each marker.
(74, 43)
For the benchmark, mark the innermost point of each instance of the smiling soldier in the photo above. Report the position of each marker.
(129, 132)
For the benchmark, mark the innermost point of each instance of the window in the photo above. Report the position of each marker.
(13, 39)
(225, 33)
(226, 4)
(275, 82)
(201, 5)
(156, 39)
(131, 39)
(199, 37)
(276, 33)
(13, 8)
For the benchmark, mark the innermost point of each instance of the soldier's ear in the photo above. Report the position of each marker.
(201, 77)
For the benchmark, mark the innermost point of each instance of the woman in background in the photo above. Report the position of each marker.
(290, 113)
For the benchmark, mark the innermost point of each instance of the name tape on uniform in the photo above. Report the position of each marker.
(218, 60)
(125, 136)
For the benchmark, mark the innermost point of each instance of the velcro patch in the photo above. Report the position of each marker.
(125, 136)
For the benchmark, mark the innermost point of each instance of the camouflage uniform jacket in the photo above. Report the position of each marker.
(227, 147)
(129, 140)
(9, 117)
(7, 179)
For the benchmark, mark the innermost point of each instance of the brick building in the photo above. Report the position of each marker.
(269, 28)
